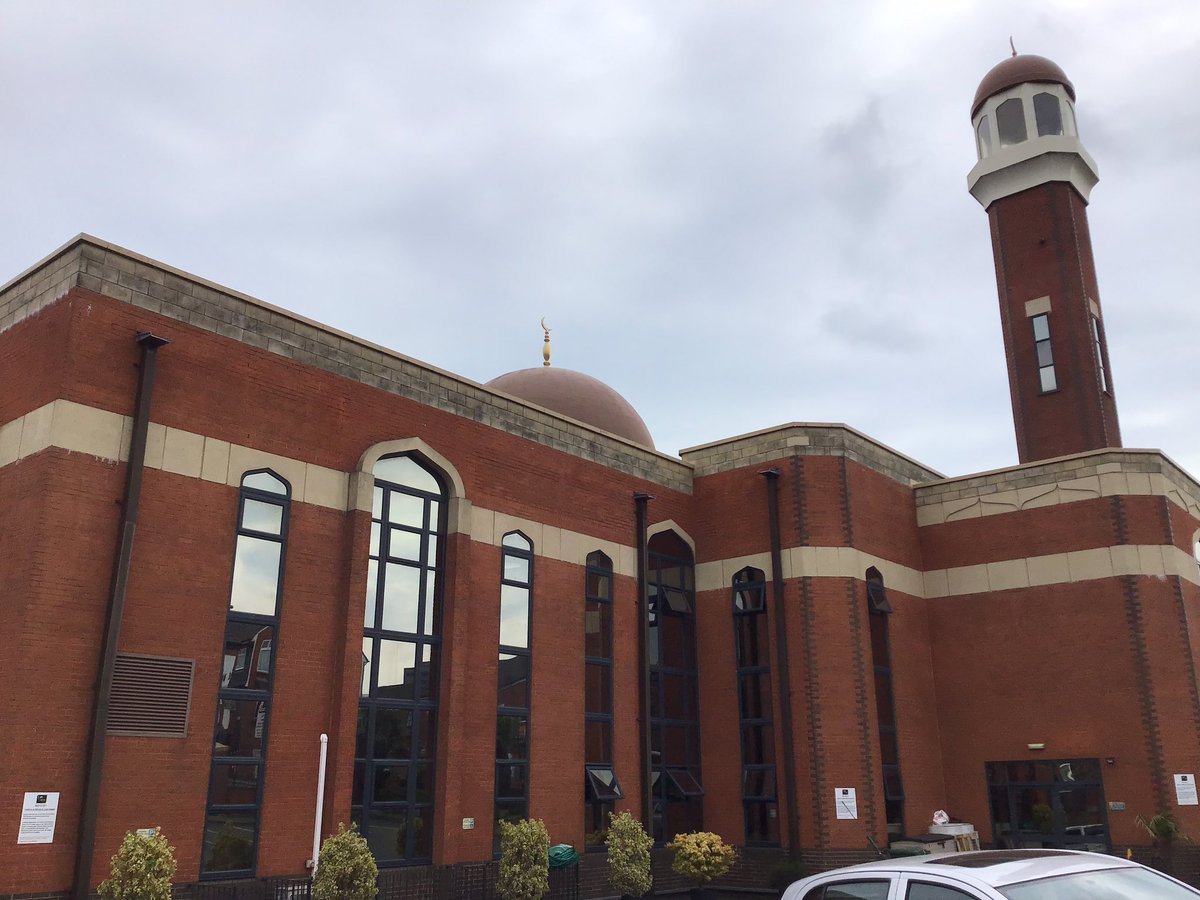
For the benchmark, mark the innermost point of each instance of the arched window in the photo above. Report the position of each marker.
(674, 719)
(755, 711)
(600, 785)
(885, 708)
(244, 692)
(984, 135)
(514, 665)
(398, 700)
(1048, 113)
(1010, 122)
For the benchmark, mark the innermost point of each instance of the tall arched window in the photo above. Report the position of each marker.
(674, 717)
(513, 668)
(1047, 112)
(244, 692)
(753, 657)
(885, 708)
(397, 714)
(1010, 122)
(600, 785)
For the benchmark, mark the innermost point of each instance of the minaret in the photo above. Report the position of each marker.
(1033, 177)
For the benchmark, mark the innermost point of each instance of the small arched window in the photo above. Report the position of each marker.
(1048, 112)
(1010, 122)
(984, 134)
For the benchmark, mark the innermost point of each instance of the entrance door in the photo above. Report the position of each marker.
(1048, 803)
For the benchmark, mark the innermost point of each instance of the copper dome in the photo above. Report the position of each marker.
(579, 396)
(1020, 69)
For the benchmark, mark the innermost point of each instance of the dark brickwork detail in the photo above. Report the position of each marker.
(1145, 687)
(1120, 521)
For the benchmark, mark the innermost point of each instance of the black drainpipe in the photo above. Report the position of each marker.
(643, 608)
(116, 607)
(785, 676)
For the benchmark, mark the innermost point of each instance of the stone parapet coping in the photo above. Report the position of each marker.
(806, 439)
(1084, 476)
(92, 264)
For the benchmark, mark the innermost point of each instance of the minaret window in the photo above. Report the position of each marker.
(1048, 112)
(1099, 354)
(984, 133)
(1010, 122)
(1045, 357)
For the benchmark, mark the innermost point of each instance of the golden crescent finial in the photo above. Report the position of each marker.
(545, 343)
(1011, 44)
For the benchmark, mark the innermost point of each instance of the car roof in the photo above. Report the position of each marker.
(998, 867)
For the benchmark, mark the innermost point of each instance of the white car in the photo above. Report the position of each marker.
(994, 875)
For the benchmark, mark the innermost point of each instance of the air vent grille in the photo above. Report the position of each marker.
(150, 695)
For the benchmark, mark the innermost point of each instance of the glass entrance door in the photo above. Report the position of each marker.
(1048, 803)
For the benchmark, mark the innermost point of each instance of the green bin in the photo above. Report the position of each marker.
(563, 855)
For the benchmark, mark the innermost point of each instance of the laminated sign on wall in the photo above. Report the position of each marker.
(846, 801)
(39, 811)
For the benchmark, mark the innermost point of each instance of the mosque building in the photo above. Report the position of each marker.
(228, 531)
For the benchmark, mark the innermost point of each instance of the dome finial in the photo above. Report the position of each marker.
(1011, 44)
(545, 343)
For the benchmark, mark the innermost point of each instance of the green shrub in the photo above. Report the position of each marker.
(524, 860)
(345, 869)
(628, 855)
(701, 856)
(142, 869)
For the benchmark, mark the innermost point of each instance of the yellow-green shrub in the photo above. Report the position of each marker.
(346, 869)
(628, 855)
(141, 869)
(701, 856)
(524, 860)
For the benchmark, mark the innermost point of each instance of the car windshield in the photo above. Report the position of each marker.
(1108, 884)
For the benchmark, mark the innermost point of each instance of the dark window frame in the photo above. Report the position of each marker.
(418, 806)
(1044, 353)
(511, 800)
(598, 802)
(260, 695)
(879, 611)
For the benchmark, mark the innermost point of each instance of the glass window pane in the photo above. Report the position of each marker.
(429, 611)
(1010, 122)
(405, 509)
(597, 630)
(597, 691)
(375, 538)
(985, 138)
(884, 706)
(516, 541)
(368, 654)
(358, 785)
(243, 644)
(397, 670)
(255, 576)
(372, 588)
(755, 695)
(597, 742)
(599, 585)
(360, 733)
(393, 733)
(234, 784)
(514, 616)
(1041, 328)
(516, 568)
(377, 503)
(426, 733)
(229, 841)
(511, 779)
(1044, 356)
(391, 784)
(857, 890)
(431, 546)
(401, 587)
(1048, 113)
(1048, 379)
(265, 481)
(510, 737)
(406, 471)
(434, 511)
(921, 891)
(677, 696)
(758, 744)
(404, 545)
(387, 832)
(888, 752)
(427, 673)
(240, 727)
(422, 832)
(260, 516)
(512, 673)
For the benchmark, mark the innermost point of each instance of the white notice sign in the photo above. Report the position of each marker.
(38, 814)
(846, 801)
(1185, 790)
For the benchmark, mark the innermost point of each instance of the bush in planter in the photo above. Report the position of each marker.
(524, 860)
(141, 869)
(701, 856)
(346, 869)
(628, 855)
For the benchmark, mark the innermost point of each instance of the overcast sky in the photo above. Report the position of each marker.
(737, 214)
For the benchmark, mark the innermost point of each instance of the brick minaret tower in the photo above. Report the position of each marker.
(1033, 178)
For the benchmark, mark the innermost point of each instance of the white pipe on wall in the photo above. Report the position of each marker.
(320, 803)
